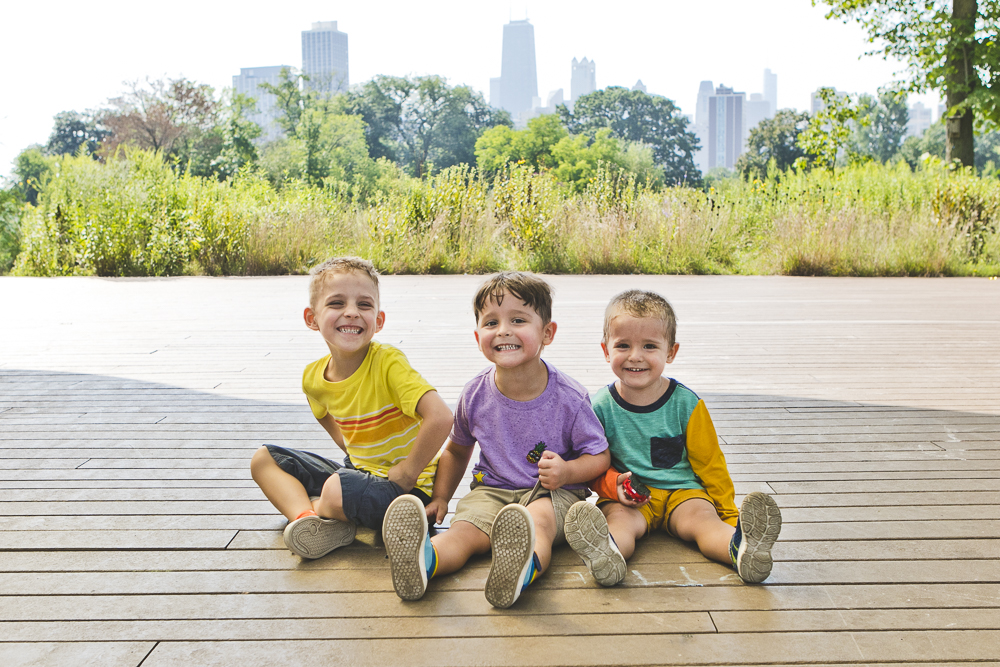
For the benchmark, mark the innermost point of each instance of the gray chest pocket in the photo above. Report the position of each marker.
(666, 452)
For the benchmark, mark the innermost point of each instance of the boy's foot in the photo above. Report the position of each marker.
(588, 535)
(404, 531)
(313, 537)
(756, 531)
(512, 539)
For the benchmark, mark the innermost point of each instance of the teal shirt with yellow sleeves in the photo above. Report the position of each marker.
(669, 444)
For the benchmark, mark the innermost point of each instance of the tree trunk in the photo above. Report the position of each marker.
(961, 79)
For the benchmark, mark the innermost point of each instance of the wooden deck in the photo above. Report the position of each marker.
(131, 532)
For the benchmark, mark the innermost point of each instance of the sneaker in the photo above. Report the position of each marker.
(587, 534)
(512, 539)
(404, 530)
(313, 537)
(756, 531)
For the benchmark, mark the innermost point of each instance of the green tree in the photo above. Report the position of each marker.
(882, 126)
(533, 145)
(773, 139)
(422, 123)
(636, 116)
(239, 133)
(31, 172)
(291, 98)
(988, 151)
(930, 143)
(830, 129)
(950, 46)
(11, 202)
(71, 130)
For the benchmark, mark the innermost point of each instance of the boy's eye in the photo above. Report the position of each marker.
(364, 304)
(490, 323)
(335, 304)
(650, 346)
(621, 346)
(518, 320)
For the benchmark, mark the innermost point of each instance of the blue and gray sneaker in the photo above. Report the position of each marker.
(512, 540)
(408, 545)
(756, 531)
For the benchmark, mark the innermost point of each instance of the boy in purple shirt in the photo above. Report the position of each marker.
(539, 441)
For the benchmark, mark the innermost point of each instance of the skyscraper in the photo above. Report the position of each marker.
(518, 84)
(324, 57)
(757, 109)
(919, 120)
(771, 91)
(705, 90)
(726, 127)
(247, 82)
(583, 79)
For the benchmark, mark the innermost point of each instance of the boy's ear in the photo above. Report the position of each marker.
(607, 357)
(673, 352)
(548, 333)
(310, 317)
(379, 321)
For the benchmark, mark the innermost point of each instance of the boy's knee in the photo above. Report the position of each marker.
(260, 460)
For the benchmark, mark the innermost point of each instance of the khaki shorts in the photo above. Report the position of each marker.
(663, 502)
(482, 504)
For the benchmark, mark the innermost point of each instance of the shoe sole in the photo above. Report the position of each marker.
(403, 531)
(512, 540)
(312, 537)
(587, 534)
(760, 520)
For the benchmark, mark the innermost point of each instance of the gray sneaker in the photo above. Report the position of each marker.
(588, 535)
(313, 537)
(756, 531)
(404, 531)
(512, 539)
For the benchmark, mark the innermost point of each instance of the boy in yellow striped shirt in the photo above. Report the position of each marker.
(384, 416)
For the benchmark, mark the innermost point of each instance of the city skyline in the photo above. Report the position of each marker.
(465, 47)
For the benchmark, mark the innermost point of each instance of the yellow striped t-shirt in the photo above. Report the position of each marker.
(375, 409)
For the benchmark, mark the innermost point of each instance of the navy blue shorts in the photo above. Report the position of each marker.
(366, 497)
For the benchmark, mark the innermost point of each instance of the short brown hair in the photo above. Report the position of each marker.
(640, 303)
(527, 287)
(320, 272)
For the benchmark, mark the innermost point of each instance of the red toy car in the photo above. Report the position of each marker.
(635, 490)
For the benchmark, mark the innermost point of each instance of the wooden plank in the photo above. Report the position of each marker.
(82, 654)
(901, 550)
(856, 619)
(563, 625)
(613, 650)
(124, 538)
(860, 530)
(652, 599)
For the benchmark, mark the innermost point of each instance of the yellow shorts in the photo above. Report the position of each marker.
(663, 502)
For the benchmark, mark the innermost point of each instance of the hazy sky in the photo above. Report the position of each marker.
(61, 55)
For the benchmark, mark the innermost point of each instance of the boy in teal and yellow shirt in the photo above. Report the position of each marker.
(661, 436)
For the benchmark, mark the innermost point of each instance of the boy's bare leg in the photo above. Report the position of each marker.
(330, 504)
(457, 545)
(626, 525)
(697, 521)
(544, 516)
(284, 491)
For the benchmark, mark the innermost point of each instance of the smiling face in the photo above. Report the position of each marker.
(511, 333)
(346, 312)
(638, 350)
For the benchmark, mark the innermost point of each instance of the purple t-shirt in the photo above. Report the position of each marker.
(508, 430)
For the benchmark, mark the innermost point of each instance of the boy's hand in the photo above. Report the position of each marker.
(622, 497)
(552, 470)
(437, 508)
(403, 477)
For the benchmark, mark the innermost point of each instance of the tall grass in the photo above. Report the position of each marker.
(135, 216)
